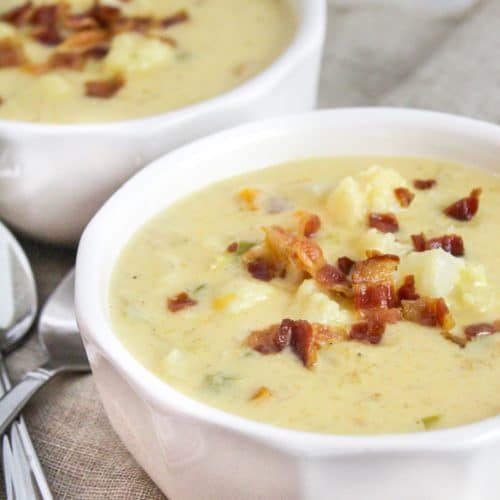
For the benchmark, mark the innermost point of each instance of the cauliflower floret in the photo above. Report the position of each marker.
(134, 53)
(383, 242)
(436, 272)
(242, 294)
(315, 306)
(473, 290)
(346, 203)
(369, 191)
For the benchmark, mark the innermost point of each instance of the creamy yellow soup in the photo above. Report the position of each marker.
(151, 56)
(412, 378)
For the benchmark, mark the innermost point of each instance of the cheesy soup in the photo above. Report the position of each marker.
(336, 295)
(97, 61)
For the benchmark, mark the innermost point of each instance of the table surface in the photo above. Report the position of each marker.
(373, 56)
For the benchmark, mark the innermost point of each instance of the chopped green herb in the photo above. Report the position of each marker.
(199, 288)
(244, 246)
(217, 381)
(430, 421)
(183, 55)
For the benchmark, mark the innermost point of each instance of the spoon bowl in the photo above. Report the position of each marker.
(59, 335)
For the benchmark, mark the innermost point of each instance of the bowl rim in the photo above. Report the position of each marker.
(97, 330)
(310, 33)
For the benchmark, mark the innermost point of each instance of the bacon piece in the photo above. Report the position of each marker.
(79, 22)
(404, 196)
(96, 52)
(345, 264)
(382, 315)
(18, 15)
(180, 302)
(233, 247)
(47, 35)
(45, 15)
(368, 332)
(424, 184)
(179, 17)
(140, 24)
(428, 312)
(419, 242)
(273, 339)
(385, 223)
(309, 224)
(407, 289)
(451, 243)
(105, 15)
(304, 256)
(82, 40)
(373, 283)
(477, 329)
(303, 337)
(104, 89)
(465, 208)
(11, 54)
(67, 60)
(262, 269)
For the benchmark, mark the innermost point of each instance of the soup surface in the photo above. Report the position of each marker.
(336, 295)
(73, 61)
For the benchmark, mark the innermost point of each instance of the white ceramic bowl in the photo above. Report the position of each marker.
(196, 452)
(54, 177)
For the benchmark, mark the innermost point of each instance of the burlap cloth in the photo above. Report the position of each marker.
(373, 56)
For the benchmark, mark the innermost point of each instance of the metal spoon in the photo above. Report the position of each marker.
(24, 477)
(58, 334)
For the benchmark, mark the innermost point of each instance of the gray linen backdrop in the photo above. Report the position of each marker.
(374, 56)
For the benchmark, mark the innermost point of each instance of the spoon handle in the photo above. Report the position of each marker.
(13, 402)
(22, 469)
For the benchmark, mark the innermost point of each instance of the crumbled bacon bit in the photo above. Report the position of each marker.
(18, 15)
(179, 17)
(180, 302)
(407, 289)
(303, 337)
(330, 276)
(419, 242)
(309, 224)
(373, 283)
(67, 60)
(451, 243)
(385, 223)
(78, 22)
(233, 247)
(382, 315)
(47, 35)
(465, 208)
(262, 269)
(428, 312)
(473, 331)
(404, 196)
(11, 54)
(104, 88)
(45, 15)
(368, 332)
(106, 15)
(424, 184)
(139, 24)
(345, 264)
(82, 40)
(273, 339)
(96, 52)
